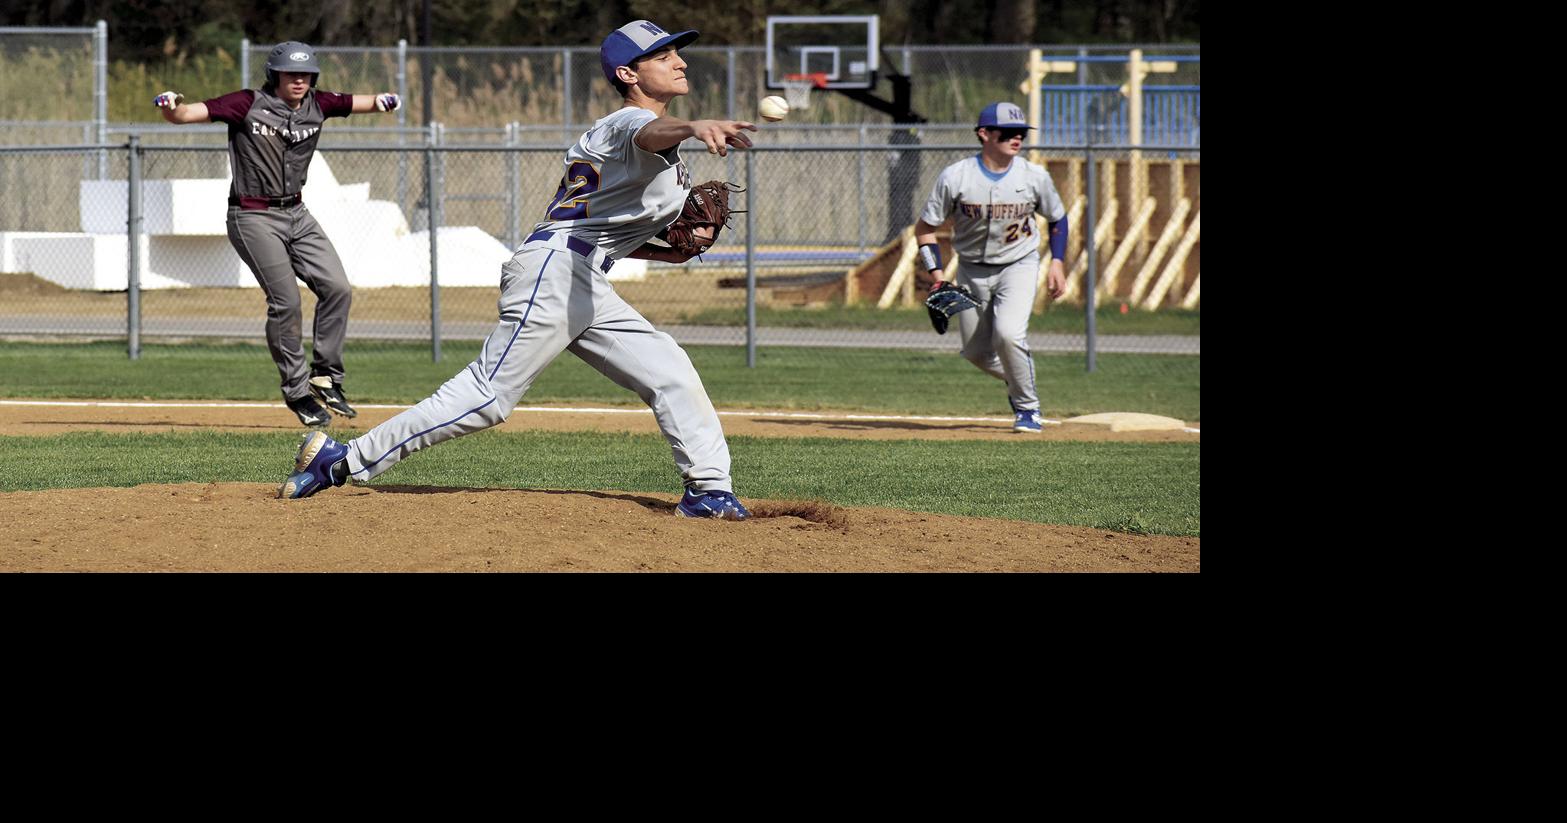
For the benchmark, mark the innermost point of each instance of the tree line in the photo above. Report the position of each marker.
(150, 30)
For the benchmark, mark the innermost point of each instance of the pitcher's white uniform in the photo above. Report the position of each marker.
(612, 198)
(997, 244)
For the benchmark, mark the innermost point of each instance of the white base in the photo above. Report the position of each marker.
(1126, 422)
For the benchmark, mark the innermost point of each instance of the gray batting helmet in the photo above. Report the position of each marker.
(292, 56)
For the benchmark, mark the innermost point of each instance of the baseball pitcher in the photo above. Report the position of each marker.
(623, 182)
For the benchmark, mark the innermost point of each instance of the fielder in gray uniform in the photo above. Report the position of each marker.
(272, 136)
(992, 198)
(623, 182)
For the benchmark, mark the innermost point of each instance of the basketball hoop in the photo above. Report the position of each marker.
(797, 88)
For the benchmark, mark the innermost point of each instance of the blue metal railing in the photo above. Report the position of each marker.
(1172, 115)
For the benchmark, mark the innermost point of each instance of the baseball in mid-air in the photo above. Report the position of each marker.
(773, 109)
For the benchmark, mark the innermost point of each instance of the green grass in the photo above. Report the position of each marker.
(1140, 487)
(907, 382)
(1057, 320)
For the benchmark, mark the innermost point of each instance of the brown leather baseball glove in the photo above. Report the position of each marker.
(706, 205)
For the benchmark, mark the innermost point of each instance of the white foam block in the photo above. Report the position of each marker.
(184, 262)
(351, 193)
(469, 257)
(193, 206)
(94, 262)
(8, 239)
(367, 237)
(319, 177)
(184, 207)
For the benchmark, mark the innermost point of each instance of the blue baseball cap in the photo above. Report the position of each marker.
(1002, 116)
(639, 38)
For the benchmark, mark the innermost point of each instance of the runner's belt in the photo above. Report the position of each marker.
(262, 203)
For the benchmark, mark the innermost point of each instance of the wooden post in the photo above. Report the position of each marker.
(1173, 269)
(1102, 231)
(1107, 191)
(1193, 295)
(1138, 184)
(1075, 179)
(1172, 230)
(1074, 217)
(1107, 282)
(1036, 77)
(903, 272)
(1034, 73)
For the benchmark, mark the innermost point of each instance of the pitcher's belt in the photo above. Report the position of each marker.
(577, 245)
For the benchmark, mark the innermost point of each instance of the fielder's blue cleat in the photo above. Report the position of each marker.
(1028, 421)
(321, 463)
(721, 505)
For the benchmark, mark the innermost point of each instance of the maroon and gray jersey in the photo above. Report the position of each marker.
(270, 144)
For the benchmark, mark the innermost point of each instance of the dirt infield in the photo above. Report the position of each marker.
(175, 415)
(243, 527)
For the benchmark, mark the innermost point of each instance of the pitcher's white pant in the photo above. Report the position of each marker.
(554, 299)
(995, 335)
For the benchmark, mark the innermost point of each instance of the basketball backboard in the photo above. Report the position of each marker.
(844, 48)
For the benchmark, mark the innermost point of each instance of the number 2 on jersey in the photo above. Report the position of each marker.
(571, 199)
(1025, 226)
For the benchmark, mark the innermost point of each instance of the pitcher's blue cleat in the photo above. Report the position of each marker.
(722, 505)
(1027, 421)
(321, 463)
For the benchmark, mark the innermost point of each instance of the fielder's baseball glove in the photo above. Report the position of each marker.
(706, 205)
(946, 300)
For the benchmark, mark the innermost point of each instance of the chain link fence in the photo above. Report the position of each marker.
(822, 256)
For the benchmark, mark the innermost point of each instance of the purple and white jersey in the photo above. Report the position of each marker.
(993, 214)
(270, 144)
(615, 194)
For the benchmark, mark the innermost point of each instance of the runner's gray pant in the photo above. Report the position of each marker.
(995, 335)
(553, 300)
(279, 245)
